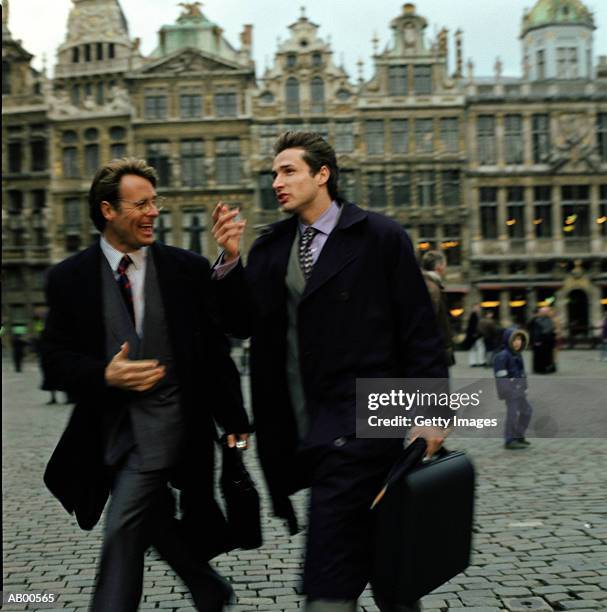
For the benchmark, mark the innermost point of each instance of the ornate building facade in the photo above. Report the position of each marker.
(506, 176)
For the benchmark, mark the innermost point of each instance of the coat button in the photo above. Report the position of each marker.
(339, 441)
(343, 295)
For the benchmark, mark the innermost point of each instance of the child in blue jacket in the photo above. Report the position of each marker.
(511, 382)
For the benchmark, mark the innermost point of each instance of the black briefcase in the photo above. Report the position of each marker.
(423, 521)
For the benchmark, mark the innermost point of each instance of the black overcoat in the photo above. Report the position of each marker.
(73, 357)
(365, 313)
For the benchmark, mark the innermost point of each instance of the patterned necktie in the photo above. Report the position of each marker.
(124, 285)
(305, 252)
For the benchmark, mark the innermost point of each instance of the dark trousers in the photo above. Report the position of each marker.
(346, 477)
(140, 515)
(517, 418)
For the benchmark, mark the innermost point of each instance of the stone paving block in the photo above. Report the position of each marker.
(527, 604)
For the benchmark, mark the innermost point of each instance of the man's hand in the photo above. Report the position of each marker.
(129, 375)
(238, 440)
(434, 437)
(227, 231)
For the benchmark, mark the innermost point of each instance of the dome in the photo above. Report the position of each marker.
(557, 12)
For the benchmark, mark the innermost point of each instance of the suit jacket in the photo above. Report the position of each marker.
(365, 312)
(73, 356)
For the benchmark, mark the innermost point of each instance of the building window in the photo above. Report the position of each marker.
(190, 106)
(75, 55)
(155, 107)
(541, 138)
(91, 158)
(424, 135)
(575, 201)
(601, 129)
(163, 227)
(422, 79)
(426, 240)
(72, 216)
(376, 182)
(451, 245)
(485, 128)
(488, 212)
(542, 211)
(541, 64)
(111, 50)
(513, 139)
(322, 129)
(602, 220)
(348, 185)
(401, 188)
(397, 81)
(317, 95)
(291, 60)
(193, 228)
(374, 131)
(87, 53)
(426, 188)
(267, 136)
(316, 60)
(15, 202)
(192, 163)
(449, 134)
(14, 279)
(38, 200)
(70, 162)
(566, 62)
(515, 212)
(14, 156)
(292, 96)
(450, 184)
(100, 93)
(344, 137)
(399, 133)
(225, 105)
(228, 161)
(75, 94)
(267, 197)
(157, 154)
(117, 149)
(99, 49)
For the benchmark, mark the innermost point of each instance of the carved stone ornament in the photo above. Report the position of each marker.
(573, 143)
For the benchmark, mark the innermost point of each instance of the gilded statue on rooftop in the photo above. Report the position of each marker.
(191, 9)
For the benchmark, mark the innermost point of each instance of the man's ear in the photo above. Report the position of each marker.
(107, 210)
(324, 174)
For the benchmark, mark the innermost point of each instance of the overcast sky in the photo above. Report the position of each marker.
(491, 27)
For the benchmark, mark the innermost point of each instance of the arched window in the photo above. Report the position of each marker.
(292, 95)
(317, 95)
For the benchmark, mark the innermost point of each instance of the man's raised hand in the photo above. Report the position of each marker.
(128, 375)
(227, 231)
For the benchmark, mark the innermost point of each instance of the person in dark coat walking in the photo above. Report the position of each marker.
(434, 268)
(543, 342)
(18, 346)
(511, 381)
(132, 333)
(330, 294)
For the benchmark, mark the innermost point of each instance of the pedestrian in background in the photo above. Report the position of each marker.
(603, 345)
(473, 342)
(488, 329)
(511, 382)
(18, 346)
(434, 269)
(543, 338)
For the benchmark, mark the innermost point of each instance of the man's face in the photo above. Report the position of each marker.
(295, 187)
(129, 228)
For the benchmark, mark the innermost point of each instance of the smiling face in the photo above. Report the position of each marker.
(128, 229)
(298, 191)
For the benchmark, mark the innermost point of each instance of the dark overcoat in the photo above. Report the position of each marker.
(365, 313)
(74, 358)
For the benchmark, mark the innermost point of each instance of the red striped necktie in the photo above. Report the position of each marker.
(124, 284)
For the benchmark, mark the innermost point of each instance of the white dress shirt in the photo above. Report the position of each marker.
(136, 274)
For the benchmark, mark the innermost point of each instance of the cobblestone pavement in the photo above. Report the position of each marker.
(540, 539)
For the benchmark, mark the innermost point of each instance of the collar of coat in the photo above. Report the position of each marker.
(350, 215)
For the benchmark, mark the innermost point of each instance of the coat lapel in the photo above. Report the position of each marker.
(340, 249)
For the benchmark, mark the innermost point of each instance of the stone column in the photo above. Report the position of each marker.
(557, 221)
